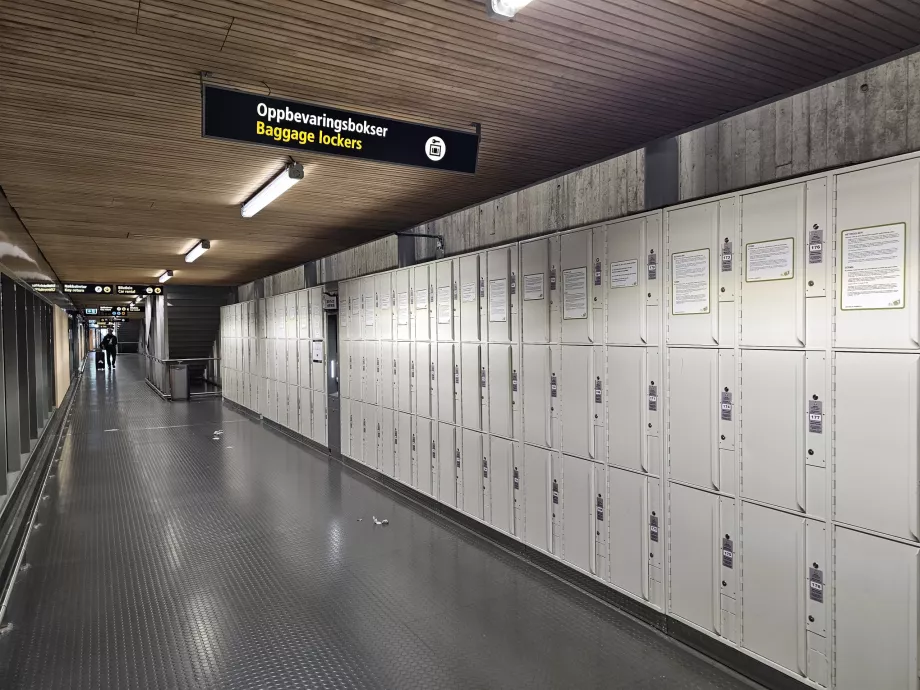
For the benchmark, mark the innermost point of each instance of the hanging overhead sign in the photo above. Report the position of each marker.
(133, 290)
(258, 119)
(44, 287)
(87, 289)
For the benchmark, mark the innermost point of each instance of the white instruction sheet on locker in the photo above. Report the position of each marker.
(575, 293)
(444, 305)
(872, 274)
(498, 300)
(771, 260)
(690, 282)
(624, 273)
(533, 286)
(402, 309)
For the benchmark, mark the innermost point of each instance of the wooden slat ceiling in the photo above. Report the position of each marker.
(100, 146)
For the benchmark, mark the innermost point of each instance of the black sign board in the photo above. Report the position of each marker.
(87, 289)
(132, 290)
(44, 287)
(257, 119)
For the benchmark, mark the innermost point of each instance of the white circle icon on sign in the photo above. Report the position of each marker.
(98, 288)
(149, 290)
(435, 148)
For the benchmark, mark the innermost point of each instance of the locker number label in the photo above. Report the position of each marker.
(816, 245)
(458, 457)
(815, 417)
(725, 407)
(432, 371)
(552, 278)
(485, 468)
(598, 398)
(555, 492)
(653, 528)
(816, 585)
(653, 398)
(517, 479)
(600, 509)
(726, 257)
(514, 383)
(552, 386)
(651, 265)
(482, 377)
(728, 553)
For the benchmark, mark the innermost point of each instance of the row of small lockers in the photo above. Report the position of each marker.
(298, 362)
(759, 269)
(294, 315)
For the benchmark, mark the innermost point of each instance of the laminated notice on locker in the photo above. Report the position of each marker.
(771, 260)
(726, 258)
(444, 304)
(690, 282)
(317, 351)
(872, 261)
(653, 398)
(575, 293)
(533, 286)
(725, 406)
(816, 585)
(385, 300)
(402, 308)
(815, 417)
(653, 528)
(815, 245)
(498, 300)
(421, 298)
(369, 312)
(728, 553)
(651, 264)
(624, 273)
(468, 293)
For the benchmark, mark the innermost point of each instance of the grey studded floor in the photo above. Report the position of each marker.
(167, 559)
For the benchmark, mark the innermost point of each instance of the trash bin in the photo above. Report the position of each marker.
(178, 381)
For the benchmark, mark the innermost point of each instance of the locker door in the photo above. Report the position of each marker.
(448, 463)
(626, 421)
(774, 586)
(371, 371)
(695, 566)
(773, 289)
(370, 308)
(875, 472)
(345, 364)
(773, 415)
(578, 513)
(423, 382)
(357, 430)
(293, 375)
(402, 306)
(421, 302)
(290, 315)
(539, 269)
(306, 412)
(472, 386)
(370, 426)
(448, 374)
(445, 288)
(501, 467)
(541, 391)
(403, 450)
(293, 396)
(303, 354)
(535, 486)
(626, 281)
(404, 376)
(579, 384)
(347, 423)
(383, 298)
(344, 309)
(303, 314)
(355, 317)
(875, 613)
(471, 473)
(693, 263)
(281, 394)
(877, 211)
(318, 366)
(387, 375)
(425, 455)
(317, 315)
(263, 318)
(320, 420)
(693, 383)
(469, 298)
(499, 384)
(388, 433)
(628, 508)
(582, 272)
(501, 272)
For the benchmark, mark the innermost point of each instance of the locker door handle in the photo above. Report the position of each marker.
(644, 542)
(800, 435)
(912, 452)
(717, 553)
(714, 469)
(800, 604)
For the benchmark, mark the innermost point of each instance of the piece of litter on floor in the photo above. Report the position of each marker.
(229, 447)
(384, 522)
(360, 519)
(376, 521)
(108, 430)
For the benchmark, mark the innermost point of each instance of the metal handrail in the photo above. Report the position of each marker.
(182, 360)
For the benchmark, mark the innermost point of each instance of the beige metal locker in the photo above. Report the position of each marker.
(371, 428)
(878, 275)
(346, 367)
(501, 483)
(473, 382)
(383, 300)
(369, 308)
(473, 473)
(694, 412)
(355, 315)
(534, 492)
(317, 364)
(875, 429)
(875, 613)
(305, 408)
(317, 315)
(503, 398)
(501, 291)
(701, 258)
(540, 380)
(404, 375)
(404, 441)
(281, 395)
(344, 311)
(387, 442)
(293, 401)
(347, 428)
(540, 290)
(320, 418)
(262, 312)
(448, 465)
(424, 379)
(630, 533)
(473, 324)
(290, 315)
(631, 290)
(303, 347)
(387, 375)
(581, 401)
(292, 375)
(577, 506)
(358, 430)
(446, 318)
(426, 454)
(402, 307)
(421, 295)
(303, 314)
(633, 407)
(447, 380)
(581, 281)
(370, 370)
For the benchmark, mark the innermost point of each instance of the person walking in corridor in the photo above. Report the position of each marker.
(110, 345)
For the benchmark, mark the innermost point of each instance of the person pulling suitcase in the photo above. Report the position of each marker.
(110, 345)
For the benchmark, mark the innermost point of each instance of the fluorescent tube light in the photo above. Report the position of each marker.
(506, 9)
(197, 251)
(166, 276)
(282, 182)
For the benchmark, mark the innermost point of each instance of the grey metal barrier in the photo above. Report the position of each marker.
(170, 377)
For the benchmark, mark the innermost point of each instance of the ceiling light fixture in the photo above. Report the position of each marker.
(506, 9)
(283, 181)
(166, 276)
(197, 250)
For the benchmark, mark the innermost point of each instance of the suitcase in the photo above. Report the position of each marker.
(100, 359)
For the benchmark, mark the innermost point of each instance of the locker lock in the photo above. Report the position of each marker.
(811, 619)
(811, 283)
(811, 452)
(723, 437)
(814, 397)
(726, 389)
(724, 583)
(722, 289)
